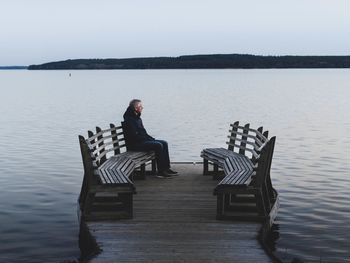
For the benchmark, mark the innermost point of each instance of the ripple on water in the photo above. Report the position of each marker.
(41, 169)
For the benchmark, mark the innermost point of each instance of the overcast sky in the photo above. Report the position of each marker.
(38, 31)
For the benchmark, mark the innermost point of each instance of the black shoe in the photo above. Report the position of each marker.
(164, 174)
(172, 172)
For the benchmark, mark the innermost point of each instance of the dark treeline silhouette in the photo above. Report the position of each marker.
(202, 62)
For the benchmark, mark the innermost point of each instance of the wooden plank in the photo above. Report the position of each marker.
(250, 129)
(233, 136)
(115, 139)
(174, 221)
(244, 139)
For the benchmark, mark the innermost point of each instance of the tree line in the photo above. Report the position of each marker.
(202, 62)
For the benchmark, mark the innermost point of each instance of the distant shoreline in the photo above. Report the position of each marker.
(12, 67)
(219, 61)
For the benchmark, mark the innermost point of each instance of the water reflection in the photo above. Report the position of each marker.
(44, 111)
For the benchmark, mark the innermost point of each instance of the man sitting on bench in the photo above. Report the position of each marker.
(138, 139)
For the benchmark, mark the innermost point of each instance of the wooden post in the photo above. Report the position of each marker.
(233, 136)
(143, 171)
(205, 167)
(219, 206)
(244, 139)
(268, 178)
(256, 145)
(227, 202)
(154, 169)
(260, 205)
(115, 139)
(216, 168)
(266, 134)
(90, 134)
(104, 158)
(125, 138)
(85, 184)
(127, 200)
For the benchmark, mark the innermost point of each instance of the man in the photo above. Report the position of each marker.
(138, 139)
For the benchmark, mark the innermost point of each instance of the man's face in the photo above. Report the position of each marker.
(139, 107)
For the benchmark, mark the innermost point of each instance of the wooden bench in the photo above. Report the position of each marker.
(245, 191)
(108, 188)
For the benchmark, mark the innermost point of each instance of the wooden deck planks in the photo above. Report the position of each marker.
(174, 221)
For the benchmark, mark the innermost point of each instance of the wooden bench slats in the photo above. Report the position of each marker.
(246, 164)
(105, 144)
(112, 129)
(114, 166)
(259, 138)
(108, 167)
(259, 141)
(106, 177)
(254, 153)
(241, 176)
(105, 152)
(109, 130)
(238, 168)
(106, 170)
(102, 178)
(118, 174)
(256, 144)
(94, 136)
(237, 178)
(128, 168)
(112, 136)
(143, 157)
(249, 129)
(217, 153)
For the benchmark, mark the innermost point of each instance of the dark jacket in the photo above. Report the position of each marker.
(134, 131)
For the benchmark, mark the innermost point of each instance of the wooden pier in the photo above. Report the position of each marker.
(175, 221)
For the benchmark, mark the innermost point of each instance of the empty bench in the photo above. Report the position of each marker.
(108, 188)
(245, 191)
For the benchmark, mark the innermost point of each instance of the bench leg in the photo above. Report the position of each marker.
(205, 167)
(260, 204)
(86, 210)
(216, 168)
(220, 206)
(267, 200)
(154, 169)
(227, 202)
(127, 200)
(143, 171)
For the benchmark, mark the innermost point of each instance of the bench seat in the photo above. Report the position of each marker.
(117, 169)
(246, 191)
(109, 168)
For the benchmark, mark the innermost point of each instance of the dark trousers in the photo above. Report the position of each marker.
(160, 147)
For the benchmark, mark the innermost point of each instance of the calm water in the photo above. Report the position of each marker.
(42, 112)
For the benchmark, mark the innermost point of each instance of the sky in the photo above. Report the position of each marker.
(39, 31)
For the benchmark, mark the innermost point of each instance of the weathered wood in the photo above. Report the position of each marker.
(244, 139)
(115, 141)
(174, 221)
(107, 168)
(262, 199)
(233, 136)
(244, 176)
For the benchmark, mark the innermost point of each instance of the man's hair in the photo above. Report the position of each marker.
(133, 102)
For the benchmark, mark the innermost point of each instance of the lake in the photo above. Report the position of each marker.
(43, 112)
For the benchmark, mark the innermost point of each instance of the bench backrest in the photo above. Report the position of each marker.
(247, 141)
(264, 165)
(95, 150)
(89, 170)
(105, 143)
